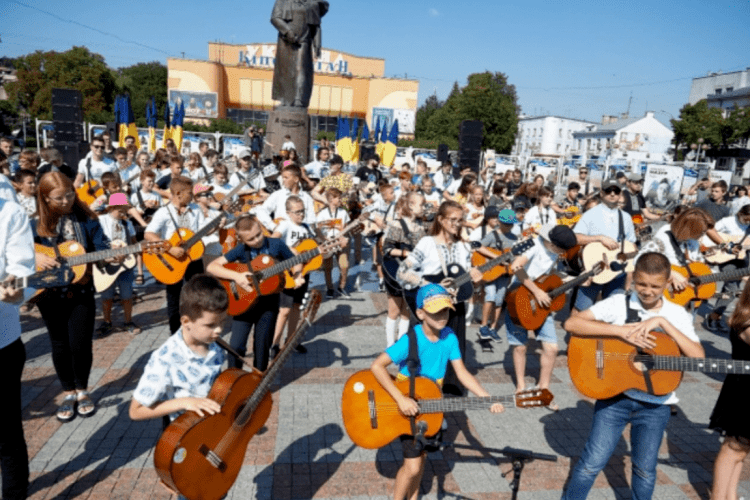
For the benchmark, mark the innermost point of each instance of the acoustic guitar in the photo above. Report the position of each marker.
(499, 265)
(167, 268)
(73, 255)
(89, 191)
(619, 261)
(372, 418)
(523, 307)
(723, 253)
(56, 277)
(603, 367)
(201, 457)
(106, 273)
(265, 276)
(701, 282)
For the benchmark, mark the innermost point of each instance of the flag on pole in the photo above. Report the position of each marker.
(127, 121)
(151, 122)
(343, 141)
(167, 127)
(382, 138)
(177, 122)
(390, 146)
(354, 146)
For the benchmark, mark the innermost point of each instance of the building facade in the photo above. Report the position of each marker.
(236, 81)
(547, 135)
(642, 139)
(715, 85)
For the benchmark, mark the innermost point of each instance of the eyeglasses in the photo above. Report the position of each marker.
(70, 195)
(97, 147)
(612, 189)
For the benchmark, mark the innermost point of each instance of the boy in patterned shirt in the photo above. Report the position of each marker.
(180, 373)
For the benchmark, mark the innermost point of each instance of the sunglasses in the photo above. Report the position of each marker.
(613, 189)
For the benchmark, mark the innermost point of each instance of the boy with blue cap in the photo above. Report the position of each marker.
(436, 346)
(501, 237)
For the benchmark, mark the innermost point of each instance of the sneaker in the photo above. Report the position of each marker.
(132, 327)
(715, 325)
(495, 336)
(343, 293)
(301, 349)
(485, 333)
(104, 329)
(275, 349)
(381, 286)
(329, 293)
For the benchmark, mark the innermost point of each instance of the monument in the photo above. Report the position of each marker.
(298, 45)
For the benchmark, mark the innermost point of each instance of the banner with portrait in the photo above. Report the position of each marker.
(661, 187)
(197, 104)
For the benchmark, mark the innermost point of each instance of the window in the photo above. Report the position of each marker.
(247, 116)
(558, 148)
(729, 89)
(717, 91)
(559, 133)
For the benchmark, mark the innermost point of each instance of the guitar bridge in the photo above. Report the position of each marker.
(600, 359)
(213, 458)
(372, 409)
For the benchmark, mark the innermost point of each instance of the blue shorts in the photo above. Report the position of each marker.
(125, 282)
(587, 294)
(518, 335)
(495, 291)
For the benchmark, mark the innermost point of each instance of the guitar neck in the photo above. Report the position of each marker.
(444, 405)
(80, 260)
(570, 284)
(204, 231)
(705, 365)
(288, 264)
(725, 276)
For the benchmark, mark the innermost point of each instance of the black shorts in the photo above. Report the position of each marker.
(291, 296)
(411, 449)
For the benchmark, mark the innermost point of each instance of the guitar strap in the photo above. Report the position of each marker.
(678, 252)
(621, 231)
(634, 317)
(174, 221)
(141, 203)
(413, 365)
(405, 229)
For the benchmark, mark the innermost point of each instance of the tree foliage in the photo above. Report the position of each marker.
(38, 73)
(486, 97)
(700, 124)
(142, 81)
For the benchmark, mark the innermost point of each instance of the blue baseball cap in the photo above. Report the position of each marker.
(434, 298)
(507, 216)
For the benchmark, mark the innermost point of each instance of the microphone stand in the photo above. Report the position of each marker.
(516, 456)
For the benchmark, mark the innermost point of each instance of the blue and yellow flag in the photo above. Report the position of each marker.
(177, 121)
(126, 120)
(167, 127)
(151, 122)
(389, 149)
(343, 141)
(354, 146)
(382, 138)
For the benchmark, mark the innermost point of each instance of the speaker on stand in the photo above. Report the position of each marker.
(470, 144)
(67, 119)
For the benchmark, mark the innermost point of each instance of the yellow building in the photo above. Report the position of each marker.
(235, 82)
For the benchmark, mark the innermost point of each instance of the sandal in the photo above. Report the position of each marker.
(86, 406)
(132, 327)
(139, 279)
(67, 410)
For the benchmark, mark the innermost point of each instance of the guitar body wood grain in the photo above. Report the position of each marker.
(168, 269)
(703, 292)
(523, 307)
(67, 249)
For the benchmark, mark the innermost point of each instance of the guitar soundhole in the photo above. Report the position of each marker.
(454, 270)
(179, 455)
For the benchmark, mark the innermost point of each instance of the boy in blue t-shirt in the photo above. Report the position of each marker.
(437, 345)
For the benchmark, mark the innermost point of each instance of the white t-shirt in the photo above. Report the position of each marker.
(257, 183)
(288, 146)
(340, 219)
(292, 233)
(426, 256)
(613, 310)
(660, 243)
(130, 175)
(731, 226)
(538, 216)
(116, 229)
(540, 261)
(318, 170)
(163, 225)
(98, 168)
(146, 197)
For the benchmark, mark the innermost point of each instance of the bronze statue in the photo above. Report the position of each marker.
(298, 22)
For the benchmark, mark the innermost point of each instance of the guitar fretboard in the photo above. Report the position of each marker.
(79, 260)
(725, 276)
(706, 365)
(461, 404)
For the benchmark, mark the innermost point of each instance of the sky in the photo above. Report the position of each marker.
(575, 58)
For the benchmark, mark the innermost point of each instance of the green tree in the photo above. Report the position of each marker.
(486, 97)
(142, 81)
(77, 68)
(425, 111)
(698, 123)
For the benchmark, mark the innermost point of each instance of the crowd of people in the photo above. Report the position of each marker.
(424, 230)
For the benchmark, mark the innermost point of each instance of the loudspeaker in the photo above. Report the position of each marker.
(442, 153)
(67, 97)
(470, 144)
(72, 153)
(66, 131)
(114, 133)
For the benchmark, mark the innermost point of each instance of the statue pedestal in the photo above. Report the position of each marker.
(286, 120)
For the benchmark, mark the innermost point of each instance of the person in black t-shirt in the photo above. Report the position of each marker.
(635, 203)
(716, 206)
(370, 173)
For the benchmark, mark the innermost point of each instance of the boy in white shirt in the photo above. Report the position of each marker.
(331, 220)
(542, 213)
(24, 181)
(221, 183)
(288, 144)
(292, 230)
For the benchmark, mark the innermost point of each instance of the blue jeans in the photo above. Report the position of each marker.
(648, 422)
(587, 294)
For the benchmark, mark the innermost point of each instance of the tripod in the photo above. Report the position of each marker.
(516, 456)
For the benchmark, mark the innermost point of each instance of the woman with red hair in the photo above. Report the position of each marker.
(68, 312)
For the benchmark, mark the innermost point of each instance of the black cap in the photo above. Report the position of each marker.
(562, 236)
(619, 175)
(491, 212)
